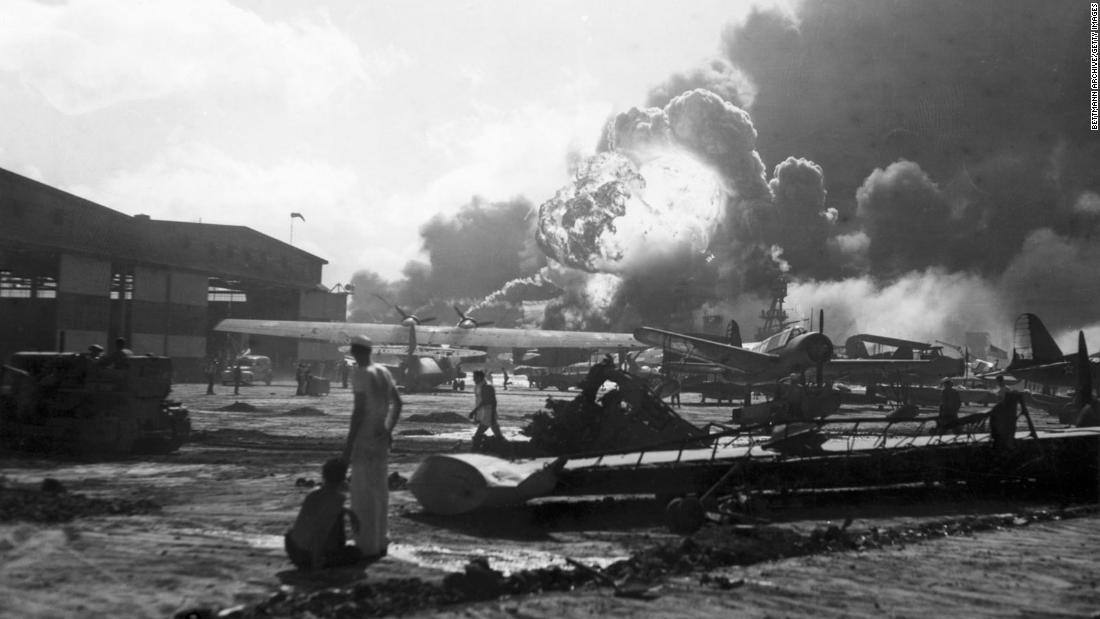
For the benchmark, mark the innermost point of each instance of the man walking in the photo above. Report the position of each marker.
(374, 414)
(485, 410)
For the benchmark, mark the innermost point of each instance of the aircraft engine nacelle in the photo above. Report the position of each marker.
(805, 351)
(422, 375)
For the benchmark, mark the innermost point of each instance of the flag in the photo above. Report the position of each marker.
(298, 215)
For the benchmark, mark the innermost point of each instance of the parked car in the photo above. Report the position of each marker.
(254, 368)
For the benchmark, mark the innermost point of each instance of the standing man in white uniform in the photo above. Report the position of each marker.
(376, 409)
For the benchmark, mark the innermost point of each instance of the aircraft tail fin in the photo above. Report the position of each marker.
(856, 348)
(1032, 342)
(1084, 373)
(733, 334)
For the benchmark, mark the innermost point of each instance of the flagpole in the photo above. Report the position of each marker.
(292, 216)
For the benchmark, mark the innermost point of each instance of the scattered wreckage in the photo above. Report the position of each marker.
(629, 442)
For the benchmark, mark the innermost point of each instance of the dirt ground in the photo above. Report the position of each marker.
(213, 536)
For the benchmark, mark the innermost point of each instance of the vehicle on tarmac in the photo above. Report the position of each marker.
(70, 402)
(254, 369)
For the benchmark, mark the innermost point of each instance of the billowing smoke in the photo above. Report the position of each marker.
(801, 225)
(717, 76)
(935, 165)
(921, 305)
(931, 174)
(904, 215)
(470, 254)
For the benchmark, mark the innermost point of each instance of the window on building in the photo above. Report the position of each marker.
(220, 291)
(122, 286)
(13, 287)
(45, 288)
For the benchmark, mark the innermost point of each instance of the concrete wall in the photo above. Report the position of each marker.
(83, 306)
(169, 317)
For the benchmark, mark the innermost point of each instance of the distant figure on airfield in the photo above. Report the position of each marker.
(950, 403)
(117, 358)
(485, 410)
(507, 381)
(237, 377)
(300, 378)
(345, 373)
(211, 371)
(1002, 390)
(374, 414)
(317, 539)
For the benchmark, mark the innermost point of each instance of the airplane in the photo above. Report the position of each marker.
(977, 367)
(937, 366)
(438, 340)
(1037, 358)
(792, 351)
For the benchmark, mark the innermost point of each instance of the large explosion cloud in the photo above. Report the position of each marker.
(619, 217)
(933, 174)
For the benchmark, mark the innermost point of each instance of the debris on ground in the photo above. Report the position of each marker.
(306, 411)
(629, 416)
(438, 417)
(239, 407)
(639, 576)
(396, 481)
(50, 502)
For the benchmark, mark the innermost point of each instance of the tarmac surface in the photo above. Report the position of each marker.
(202, 528)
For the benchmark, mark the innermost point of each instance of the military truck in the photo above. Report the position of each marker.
(74, 403)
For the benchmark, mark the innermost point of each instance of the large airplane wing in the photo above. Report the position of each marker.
(739, 360)
(341, 332)
(924, 368)
(400, 350)
(890, 341)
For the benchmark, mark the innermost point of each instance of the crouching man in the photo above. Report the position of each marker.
(317, 541)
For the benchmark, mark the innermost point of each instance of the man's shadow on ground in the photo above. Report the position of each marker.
(323, 579)
(539, 522)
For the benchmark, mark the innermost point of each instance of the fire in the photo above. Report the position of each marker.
(619, 217)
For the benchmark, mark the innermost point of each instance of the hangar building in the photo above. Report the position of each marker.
(74, 273)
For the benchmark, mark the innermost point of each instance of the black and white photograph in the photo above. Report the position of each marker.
(555, 308)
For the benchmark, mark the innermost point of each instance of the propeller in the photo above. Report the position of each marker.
(469, 322)
(405, 316)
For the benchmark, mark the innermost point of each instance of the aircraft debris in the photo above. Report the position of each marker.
(627, 416)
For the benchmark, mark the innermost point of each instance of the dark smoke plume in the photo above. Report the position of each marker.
(469, 256)
(930, 163)
(717, 76)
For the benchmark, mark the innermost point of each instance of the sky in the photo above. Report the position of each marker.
(368, 118)
(921, 168)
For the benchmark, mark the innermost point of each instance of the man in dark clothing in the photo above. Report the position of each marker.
(211, 375)
(317, 539)
(300, 377)
(485, 410)
(950, 403)
(345, 373)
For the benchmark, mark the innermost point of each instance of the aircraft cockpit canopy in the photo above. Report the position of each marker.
(779, 340)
